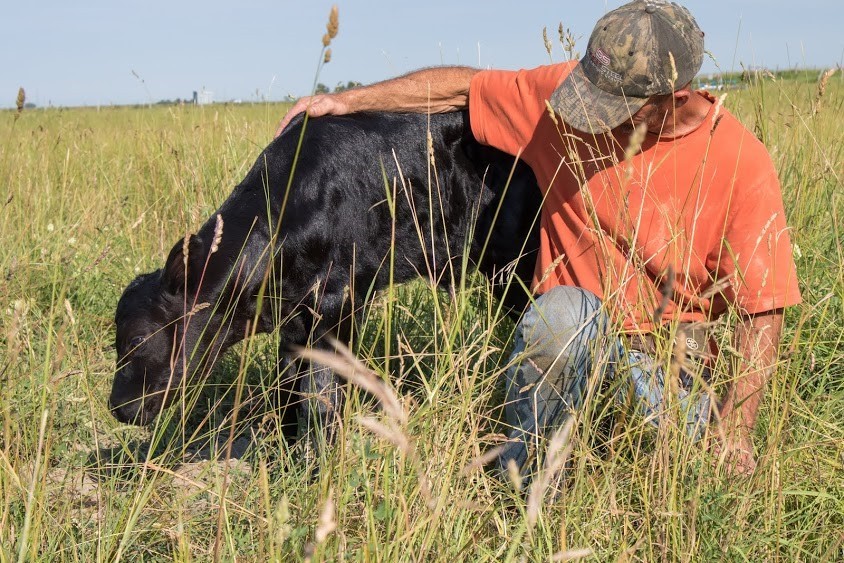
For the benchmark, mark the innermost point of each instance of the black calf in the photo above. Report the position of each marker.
(305, 242)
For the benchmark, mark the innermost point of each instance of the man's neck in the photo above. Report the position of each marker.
(686, 118)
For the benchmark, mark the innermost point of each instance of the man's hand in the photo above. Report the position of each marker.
(757, 339)
(316, 106)
(735, 455)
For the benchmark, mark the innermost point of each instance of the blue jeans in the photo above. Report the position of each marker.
(563, 345)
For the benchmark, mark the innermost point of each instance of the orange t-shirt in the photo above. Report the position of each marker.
(706, 204)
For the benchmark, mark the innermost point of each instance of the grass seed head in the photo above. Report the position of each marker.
(552, 113)
(21, 99)
(635, 143)
(824, 80)
(332, 27)
(327, 524)
(556, 455)
(546, 41)
(346, 365)
(568, 41)
(674, 74)
(218, 234)
(185, 250)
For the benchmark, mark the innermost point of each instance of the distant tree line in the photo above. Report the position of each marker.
(323, 89)
(175, 102)
(320, 89)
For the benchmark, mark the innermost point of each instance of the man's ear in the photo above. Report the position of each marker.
(682, 95)
(184, 266)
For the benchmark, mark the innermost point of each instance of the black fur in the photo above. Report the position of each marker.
(330, 237)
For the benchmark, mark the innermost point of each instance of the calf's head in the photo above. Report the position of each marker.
(167, 332)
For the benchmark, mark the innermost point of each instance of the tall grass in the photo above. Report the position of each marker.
(90, 198)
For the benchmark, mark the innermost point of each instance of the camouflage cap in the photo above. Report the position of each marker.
(638, 50)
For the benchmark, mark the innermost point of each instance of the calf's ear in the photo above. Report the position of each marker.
(184, 266)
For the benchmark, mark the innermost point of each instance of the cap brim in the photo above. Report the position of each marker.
(585, 107)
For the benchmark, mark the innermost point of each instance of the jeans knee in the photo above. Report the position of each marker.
(563, 313)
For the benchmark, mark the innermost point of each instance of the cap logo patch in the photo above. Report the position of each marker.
(602, 61)
(599, 57)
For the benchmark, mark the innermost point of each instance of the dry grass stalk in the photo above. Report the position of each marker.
(218, 234)
(198, 307)
(552, 113)
(678, 362)
(822, 83)
(185, 250)
(719, 104)
(347, 366)
(635, 143)
(326, 58)
(325, 526)
(556, 456)
(97, 260)
(332, 27)
(514, 474)
(394, 434)
(207, 488)
(387, 431)
(482, 460)
(21, 99)
(430, 145)
(674, 74)
(716, 116)
(333, 22)
(547, 41)
(666, 291)
(634, 146)
(716, 288)
(138, 221)
(568, 41)
(550, 269)
(69, 310)
(572, 554)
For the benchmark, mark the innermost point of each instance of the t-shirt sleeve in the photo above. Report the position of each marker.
(757, 256)
(505, 107)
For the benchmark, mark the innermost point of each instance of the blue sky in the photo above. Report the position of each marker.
(85, 52)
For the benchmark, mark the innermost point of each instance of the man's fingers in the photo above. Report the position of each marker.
(301, 105)
(316, 106)
(735, 458)
(283, 123)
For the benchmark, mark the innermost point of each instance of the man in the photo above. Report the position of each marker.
(660, 209)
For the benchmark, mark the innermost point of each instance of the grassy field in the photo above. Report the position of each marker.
(91, 197)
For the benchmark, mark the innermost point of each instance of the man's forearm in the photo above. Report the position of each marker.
(757, 339)
(435, 90)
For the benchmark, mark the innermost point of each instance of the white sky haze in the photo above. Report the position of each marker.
(85, 53)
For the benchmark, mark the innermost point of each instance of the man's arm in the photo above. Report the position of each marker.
(434, 90)
(757, 339)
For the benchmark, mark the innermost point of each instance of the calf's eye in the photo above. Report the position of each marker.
(135, 342)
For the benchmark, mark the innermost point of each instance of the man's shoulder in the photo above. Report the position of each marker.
(735, 142)
(551, 74)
